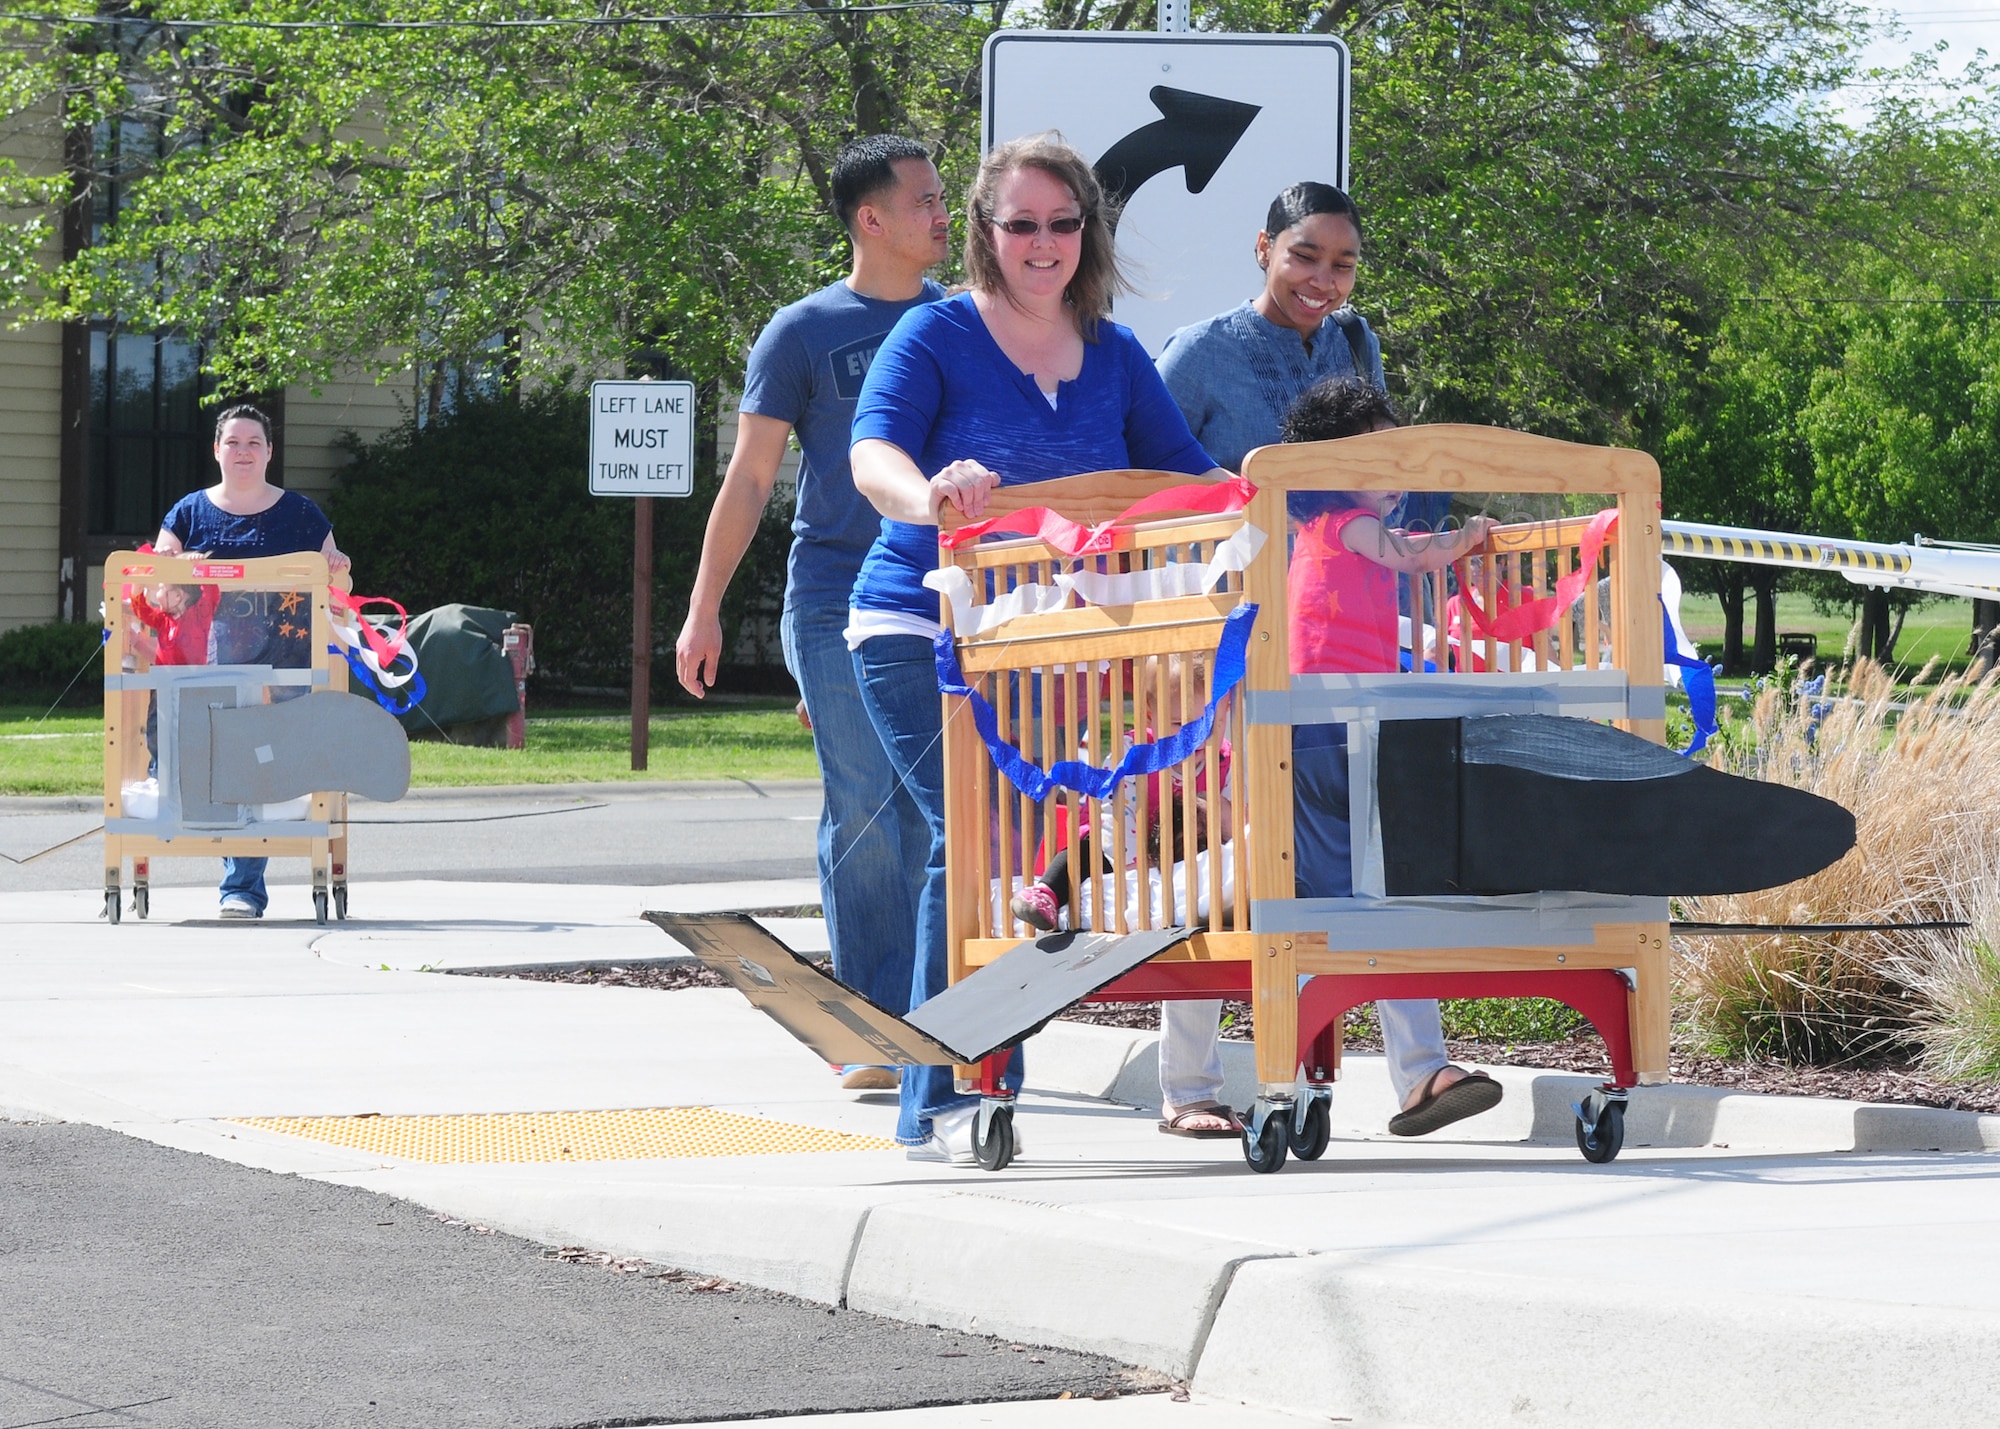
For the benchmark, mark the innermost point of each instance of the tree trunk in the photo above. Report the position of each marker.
(1764, 653)
(1731, 596)
(1895, 634)
(1985, 637)
(1874, 625)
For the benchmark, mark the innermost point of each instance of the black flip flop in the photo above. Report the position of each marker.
(1234, 1131)
(1470, 1095)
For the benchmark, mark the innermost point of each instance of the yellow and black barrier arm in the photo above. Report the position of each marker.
(1939, 570)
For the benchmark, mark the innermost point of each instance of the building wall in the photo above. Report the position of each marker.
(30, 473)
(314, 423)
(30, 418)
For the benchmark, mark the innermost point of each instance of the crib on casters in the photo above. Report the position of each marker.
(1123, 645)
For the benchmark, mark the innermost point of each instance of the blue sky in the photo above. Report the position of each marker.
(1966, 25)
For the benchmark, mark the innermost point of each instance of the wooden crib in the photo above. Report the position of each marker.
(1079, 657)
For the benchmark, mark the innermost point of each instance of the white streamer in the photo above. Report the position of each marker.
(389, 680)
(1162, 582)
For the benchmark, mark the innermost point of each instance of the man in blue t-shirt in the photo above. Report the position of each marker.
(804, 376)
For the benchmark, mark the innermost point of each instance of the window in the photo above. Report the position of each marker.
(147, 437)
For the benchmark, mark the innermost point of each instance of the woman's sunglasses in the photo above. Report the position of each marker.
(1028, 228)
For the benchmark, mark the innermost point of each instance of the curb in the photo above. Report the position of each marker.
(1120, 1065)
(1325, 1330)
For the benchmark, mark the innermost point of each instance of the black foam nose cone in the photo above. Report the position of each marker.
(1534, 803)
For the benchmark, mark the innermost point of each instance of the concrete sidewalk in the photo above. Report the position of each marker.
(1783, 1278)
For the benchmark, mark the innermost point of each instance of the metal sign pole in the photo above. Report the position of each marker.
(642, 627)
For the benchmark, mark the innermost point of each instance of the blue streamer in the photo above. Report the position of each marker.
(1699, 682)
(413, 695)
(1088, 779)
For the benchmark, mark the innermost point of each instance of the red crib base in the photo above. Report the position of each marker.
(1601, 995)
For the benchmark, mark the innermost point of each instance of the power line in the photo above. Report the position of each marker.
(801, 12)
(1877, 302)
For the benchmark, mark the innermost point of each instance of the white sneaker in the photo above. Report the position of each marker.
(951, 1137)
(234, 907)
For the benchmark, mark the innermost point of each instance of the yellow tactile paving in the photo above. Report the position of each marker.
(640, 1135)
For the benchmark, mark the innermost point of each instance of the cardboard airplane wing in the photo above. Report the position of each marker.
(810, 1003)
(997, 1006)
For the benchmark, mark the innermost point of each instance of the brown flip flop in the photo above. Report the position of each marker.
(1469, 1096)
(1176, 1124)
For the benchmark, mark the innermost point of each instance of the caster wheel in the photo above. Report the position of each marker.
(996, 1150)
(112, 900)
(319, 906)
(1309, 1143)
(340, 902)
(1602, 1142)
(1266, 1152)
(142, 902)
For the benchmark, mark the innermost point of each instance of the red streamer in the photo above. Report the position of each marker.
(1219, 498)
(1532, 617)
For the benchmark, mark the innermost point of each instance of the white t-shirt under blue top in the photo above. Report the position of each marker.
(806, 369)
(941, 390)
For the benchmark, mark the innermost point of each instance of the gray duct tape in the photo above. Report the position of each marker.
(1332, 699)
(1523, 920)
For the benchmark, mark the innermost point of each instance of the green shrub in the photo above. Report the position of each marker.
(38, 662)
(1510, 1019)
(1502, 1020)
(490, 505)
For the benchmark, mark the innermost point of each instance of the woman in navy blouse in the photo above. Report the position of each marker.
(240, 517)
(1022, 377)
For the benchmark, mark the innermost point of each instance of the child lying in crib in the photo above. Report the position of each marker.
(1040, 904)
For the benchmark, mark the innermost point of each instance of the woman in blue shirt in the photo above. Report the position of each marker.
(1020, 378)
(241, 517)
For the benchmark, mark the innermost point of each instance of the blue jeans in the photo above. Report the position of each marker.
(1322, 844)
(871, 833)
(899, 686)
(244, 878)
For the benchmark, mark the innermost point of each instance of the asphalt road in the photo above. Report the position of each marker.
(638, 834)
(141, 1286)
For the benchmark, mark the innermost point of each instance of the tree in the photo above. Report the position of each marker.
(1732, 450)
(1905, 431)
(346, 196)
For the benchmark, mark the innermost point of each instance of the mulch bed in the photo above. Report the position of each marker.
(1880, 1081)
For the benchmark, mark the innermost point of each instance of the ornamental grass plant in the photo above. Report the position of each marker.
(1922, 778)
(1956, 981)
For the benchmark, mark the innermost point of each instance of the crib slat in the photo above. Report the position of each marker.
(1593, 634)
(1489, 600)
(1565, 645)
(1211, 756)
(1189, 866)
(1114, 808)
(1619, 614)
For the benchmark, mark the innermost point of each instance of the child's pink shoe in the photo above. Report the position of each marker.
(1036, 906)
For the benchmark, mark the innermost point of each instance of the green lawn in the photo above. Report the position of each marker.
(1938, 627)
(758, 739)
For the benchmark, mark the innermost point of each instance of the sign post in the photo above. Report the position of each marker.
(642, 446)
